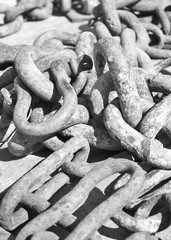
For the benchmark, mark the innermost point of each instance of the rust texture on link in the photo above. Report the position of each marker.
(61, 117)
(128, 42)
(35, 79)
(156, 118)
(136, 55)
(99, 95)
(101, 30)
(111, 16)
(110, 51)
(84, 48)
(104, 92)
(146, 149)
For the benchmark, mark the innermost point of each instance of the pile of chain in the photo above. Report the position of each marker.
(36, 10)
(73, 93)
